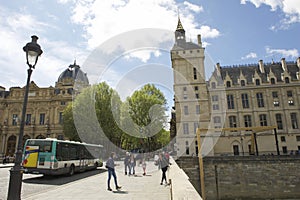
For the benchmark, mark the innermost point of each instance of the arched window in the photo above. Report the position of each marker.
(272, 80)
(40, 137)
(11, 145)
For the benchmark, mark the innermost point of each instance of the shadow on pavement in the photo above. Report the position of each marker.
(120, 192)
(62, 179)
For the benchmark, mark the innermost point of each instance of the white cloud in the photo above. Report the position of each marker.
(104, 19)
(250, 55)
(209, 32)
(286, 53)
(193, 7)
(291, 9)
(16, 29)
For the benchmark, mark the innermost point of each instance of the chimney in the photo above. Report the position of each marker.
(218, 67)
(283, 64)
(261, 66)
(298, 62)
(199, 40)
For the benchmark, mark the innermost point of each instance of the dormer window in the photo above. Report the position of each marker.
(243, 83)
(272, 81)
(228, 84)
(257, 82)
(213, 85)
(286, 80)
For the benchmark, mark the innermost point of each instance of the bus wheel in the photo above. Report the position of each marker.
(72, 170)
(96, 165)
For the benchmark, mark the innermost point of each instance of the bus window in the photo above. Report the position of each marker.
(44, 146)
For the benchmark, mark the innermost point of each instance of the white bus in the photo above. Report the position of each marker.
(54, 157)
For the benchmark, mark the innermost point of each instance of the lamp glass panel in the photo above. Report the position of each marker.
(32, 57)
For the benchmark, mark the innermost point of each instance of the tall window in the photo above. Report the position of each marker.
(260, 100)
(289, 93)
(215, 98)
(197, 109)
(195, 73)
(263, 120)
(232, 121)
(247, 121)
(14, 119)
(187, 148)
(230, 101)
(184, 93)
(279, 121)
(42, 118)
(245, 101)
(215, 106)
(294, 120)
(217, 119)
(186, 110)
(275, 94)
(61, 119)
(28, 119)
(185, 128)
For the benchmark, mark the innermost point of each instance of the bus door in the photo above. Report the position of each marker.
(31, 155)
(81, 159)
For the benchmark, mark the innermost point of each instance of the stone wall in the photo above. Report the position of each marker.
(249, 177)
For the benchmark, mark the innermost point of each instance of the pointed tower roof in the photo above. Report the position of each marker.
(179, 26)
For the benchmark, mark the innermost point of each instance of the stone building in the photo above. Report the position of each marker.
(256, 95)
(44, 109)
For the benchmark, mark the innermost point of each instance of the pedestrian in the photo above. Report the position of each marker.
(132, 163)
(163, 165)
(126, 162)
(110, 165)
(144, 165)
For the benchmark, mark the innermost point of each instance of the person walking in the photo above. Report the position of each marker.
(110, 165)
(132, 163)
(144, 165)
(126, 162)
(163, 165)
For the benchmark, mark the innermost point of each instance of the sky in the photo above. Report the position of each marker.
(127, 36)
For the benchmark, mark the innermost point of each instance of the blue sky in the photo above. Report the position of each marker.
(233, 33)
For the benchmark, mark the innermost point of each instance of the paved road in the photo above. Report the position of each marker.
(91, 185)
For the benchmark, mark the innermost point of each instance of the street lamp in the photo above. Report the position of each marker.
(33, 51)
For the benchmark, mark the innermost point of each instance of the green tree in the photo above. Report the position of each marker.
(146, 108)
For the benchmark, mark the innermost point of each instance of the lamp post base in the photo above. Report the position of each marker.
(15, 183)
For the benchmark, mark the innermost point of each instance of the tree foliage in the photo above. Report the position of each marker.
(99, 116)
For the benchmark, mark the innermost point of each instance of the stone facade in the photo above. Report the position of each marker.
(255, 95)
(246, 177)
(44, 114)
(191, 97)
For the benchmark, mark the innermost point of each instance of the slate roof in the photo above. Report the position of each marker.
(248, 71)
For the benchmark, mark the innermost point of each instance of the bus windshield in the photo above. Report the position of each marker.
(44, 146)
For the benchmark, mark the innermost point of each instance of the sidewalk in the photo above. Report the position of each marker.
(136, 187)
(6, 165)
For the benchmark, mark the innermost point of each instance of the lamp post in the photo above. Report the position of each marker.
(33, 51)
